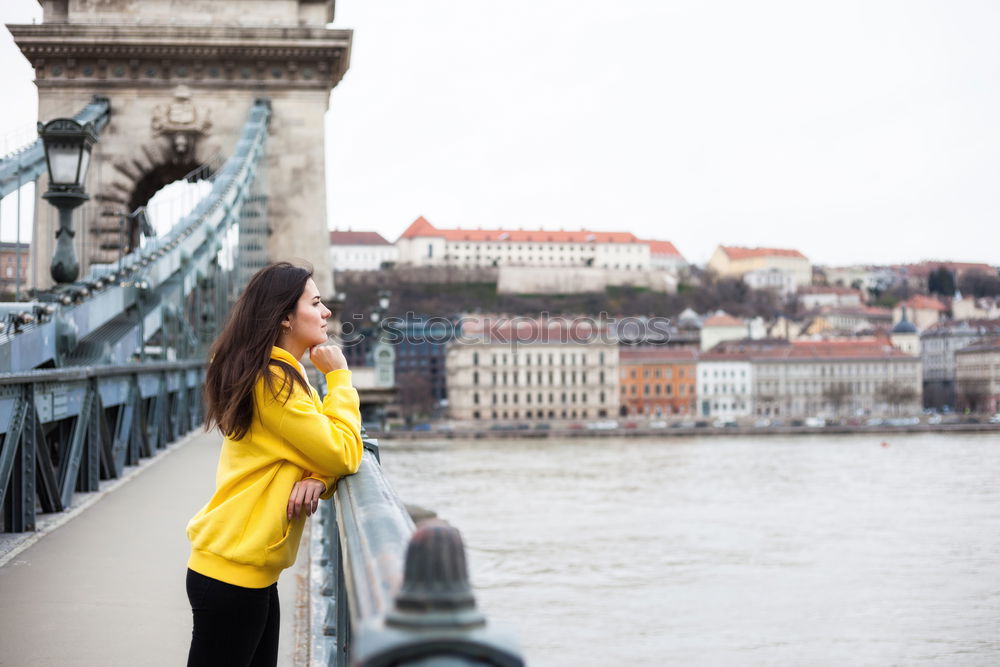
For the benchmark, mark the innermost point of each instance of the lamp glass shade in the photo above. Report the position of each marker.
(84, 163)
(64, 162)
(67, 151)
(383, 303)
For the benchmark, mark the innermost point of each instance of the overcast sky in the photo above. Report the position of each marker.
(852, 131)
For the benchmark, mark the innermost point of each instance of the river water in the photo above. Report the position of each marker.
(768, 550)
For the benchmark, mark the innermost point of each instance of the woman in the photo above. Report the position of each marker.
(283, 451)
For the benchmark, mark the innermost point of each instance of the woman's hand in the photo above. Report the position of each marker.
(327, 358)
(305, 497)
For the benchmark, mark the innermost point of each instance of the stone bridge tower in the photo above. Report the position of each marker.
(181, 76)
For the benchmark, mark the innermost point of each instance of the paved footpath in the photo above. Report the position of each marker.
(107, 586)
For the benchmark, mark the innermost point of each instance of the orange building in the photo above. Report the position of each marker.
(657, 381)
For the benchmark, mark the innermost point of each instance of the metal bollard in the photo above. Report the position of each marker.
(434, 619)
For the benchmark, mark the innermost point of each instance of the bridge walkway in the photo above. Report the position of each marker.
(107, 586)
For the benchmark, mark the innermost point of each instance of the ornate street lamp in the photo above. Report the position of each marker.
(67, 153)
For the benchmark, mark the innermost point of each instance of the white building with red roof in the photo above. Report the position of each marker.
(423, 244)
(849, 377)
(720, 327)
(360, 251)
(736, 262)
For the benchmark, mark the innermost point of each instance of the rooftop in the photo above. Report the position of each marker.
(828, 289)
(422, 228)
(969, 327)
(663, 248)
(923, 269)
(357, 238)
(660, 354)
(922, 302)
(723, 320)
(836, 349)
(736, 252)
(987, 345)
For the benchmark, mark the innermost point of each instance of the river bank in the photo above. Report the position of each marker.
(576, 431)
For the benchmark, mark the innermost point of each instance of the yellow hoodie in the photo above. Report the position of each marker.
(243, 535)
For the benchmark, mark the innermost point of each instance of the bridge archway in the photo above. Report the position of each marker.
(181, 76)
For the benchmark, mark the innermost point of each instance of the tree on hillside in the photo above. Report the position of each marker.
(941, 281)
(974, 283)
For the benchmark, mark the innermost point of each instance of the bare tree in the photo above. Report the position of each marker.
(837, 395)
(895, 395)
(972, 397)
(416, 398)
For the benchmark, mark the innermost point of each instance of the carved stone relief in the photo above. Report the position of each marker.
(182, 123)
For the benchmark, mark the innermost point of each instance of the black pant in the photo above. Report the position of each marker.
(232, 625)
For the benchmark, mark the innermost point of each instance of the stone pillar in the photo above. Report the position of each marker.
(181, 76)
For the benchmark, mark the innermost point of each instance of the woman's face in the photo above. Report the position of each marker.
(307, 325)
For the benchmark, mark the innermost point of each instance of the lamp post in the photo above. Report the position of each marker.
(67, 153)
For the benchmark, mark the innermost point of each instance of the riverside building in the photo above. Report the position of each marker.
(938, 345)
(794, 379)
(977, 376)
(547, 374)
(834, 378)
(725, 384)
(657, 381)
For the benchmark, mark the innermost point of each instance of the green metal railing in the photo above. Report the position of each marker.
(65, 430)
(394, 594)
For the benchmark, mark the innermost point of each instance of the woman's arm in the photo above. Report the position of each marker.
(326, 441)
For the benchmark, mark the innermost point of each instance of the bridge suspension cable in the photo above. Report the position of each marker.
(173, 290)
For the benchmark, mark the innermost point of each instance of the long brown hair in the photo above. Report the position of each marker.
(242, 352)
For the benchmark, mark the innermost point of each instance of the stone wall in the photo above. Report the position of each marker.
(420, 274)
(191, 12)
(577, 280)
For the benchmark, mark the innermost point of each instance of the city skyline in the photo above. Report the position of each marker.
(858, 134)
